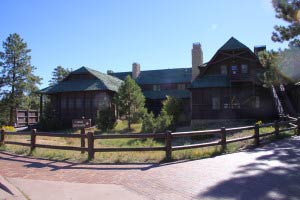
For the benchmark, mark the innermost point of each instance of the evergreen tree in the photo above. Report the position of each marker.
(274, 73)
(131, 100)
(289, 11)
(17, 75)
(58, 74)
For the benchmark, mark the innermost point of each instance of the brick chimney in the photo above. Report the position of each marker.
(197, 59)
(136, 70)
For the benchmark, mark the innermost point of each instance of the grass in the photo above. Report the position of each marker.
(134, 157)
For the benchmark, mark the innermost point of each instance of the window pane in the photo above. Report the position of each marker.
(78, 102)
(257, 102)
(181, 86)
(244, 69)
(216, 103)
(224, 69)
(234, 69)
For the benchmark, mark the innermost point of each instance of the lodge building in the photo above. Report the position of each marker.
(226, 87)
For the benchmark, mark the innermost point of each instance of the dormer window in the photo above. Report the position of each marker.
(224, 69)
(156, 87)
(244, 69)
(234, 69)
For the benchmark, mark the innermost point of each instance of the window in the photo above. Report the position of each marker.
(234, 69)
(63, 102)
(181, 86)
(257, 102)
(232, 103)
(244, 69)
(216, 103)
(156, 87)
(78, 102)
(71, 102)
(224, 69)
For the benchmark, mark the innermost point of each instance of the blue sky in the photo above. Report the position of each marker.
(112, 34)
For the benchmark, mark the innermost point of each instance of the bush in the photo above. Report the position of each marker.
(8, 128)
(173, 107)
(106, 119)
(148, 124)
(50, 124)
(49, 121)
(162, 123)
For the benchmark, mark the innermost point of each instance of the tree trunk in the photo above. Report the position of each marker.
(12, 96)
(129, 121)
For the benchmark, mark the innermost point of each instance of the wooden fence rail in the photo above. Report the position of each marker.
(282, 126)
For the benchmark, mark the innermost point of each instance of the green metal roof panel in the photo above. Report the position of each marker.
(162, 76)
(181, 94)
(233, 44)
(210, 81)
(102, 82)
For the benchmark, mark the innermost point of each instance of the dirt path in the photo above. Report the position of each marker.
(268, 172)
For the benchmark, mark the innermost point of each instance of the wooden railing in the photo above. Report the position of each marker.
(287, 125)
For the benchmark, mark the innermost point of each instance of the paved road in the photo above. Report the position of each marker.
(269, 172)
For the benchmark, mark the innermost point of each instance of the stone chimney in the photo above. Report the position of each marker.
(136, 70)
(197, 59)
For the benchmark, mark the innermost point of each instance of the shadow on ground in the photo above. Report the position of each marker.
(262, 181)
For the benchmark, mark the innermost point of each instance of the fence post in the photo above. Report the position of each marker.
(298, 126)
(90, 137)
(168, 143)
(276, 129)
(2, 137)
(256, 135)
(32, 140)
(223, 139)
(82, 133)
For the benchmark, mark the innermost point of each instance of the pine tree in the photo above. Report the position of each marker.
(131, 100)
(17, 75)
(289, 11)
(58, 74)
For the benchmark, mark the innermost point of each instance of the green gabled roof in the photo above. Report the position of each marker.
(161, 76)
(233, 44)
(210, 81)
(101, 82)
(180, 94)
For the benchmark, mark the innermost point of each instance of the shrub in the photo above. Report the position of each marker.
(148, 124)
(163, 121)
(106, 119)
(50, 124)
(49, 121)
(8, 128)
(173, 107)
